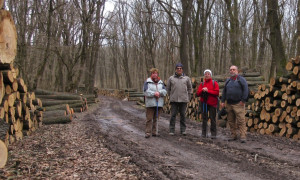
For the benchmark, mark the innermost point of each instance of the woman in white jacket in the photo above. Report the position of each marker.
(154, 91)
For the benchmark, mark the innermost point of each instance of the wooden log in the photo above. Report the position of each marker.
(21, 85)
(57, 102)
(15, 85)
(54, 113)
(8, 89)
(283, 80)
(8, 37)
(277, 94)
(8, 77)
(10, 98)
(57, 120)
(298, 102)
(3, 154)
(278, 111)
(274, 81)
(37, 102)
(289, 65)
(296, 70)
(282, 131)
(60, 97)
(291, 131)
(283, 104)
(273, 128)
(62, 106)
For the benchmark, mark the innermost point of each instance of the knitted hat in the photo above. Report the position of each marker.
(208, 70)
(179, 65)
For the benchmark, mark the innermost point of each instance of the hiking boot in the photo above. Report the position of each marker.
(243, 140)
(183, 133)
(155, 135)
(234, 138)
(147, 135)
(171, 133)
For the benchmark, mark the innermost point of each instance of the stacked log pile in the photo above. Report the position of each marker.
(192, 112)
(118, 93)
(20, 111)
(276, 107)
(61, 107)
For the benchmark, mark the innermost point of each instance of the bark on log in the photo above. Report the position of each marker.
(62, 106)
(2, 87)
(59, 97)
(47, 103)
(3, 154)
(8, 77)
(8, 37)
(57, 120)
(55, 113)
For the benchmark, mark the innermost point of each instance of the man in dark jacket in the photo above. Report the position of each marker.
(235, 93)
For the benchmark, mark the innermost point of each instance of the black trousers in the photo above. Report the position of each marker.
(208, 112)
(175, 108)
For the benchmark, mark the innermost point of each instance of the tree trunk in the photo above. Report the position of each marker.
(298, 29)
(186, 12)
(278, 54)
(234, 32)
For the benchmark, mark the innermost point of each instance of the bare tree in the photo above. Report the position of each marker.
(234, 32)
(123, 21)
(278, 54)
(298, 28)
(200, 25)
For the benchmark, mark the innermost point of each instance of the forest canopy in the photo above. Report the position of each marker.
(66, 44)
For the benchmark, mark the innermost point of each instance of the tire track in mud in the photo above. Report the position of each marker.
(191, 157)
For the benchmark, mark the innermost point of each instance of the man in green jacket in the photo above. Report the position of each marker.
(179, 88)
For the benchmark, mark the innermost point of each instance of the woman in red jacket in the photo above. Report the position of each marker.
(208, 92)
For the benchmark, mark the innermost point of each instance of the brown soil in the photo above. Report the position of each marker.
(108, 142)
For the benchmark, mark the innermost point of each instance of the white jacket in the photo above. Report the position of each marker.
(150, 88)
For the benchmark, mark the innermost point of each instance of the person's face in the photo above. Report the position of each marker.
(179, 70)
(207, 75)
(154, 74)
(233, 70)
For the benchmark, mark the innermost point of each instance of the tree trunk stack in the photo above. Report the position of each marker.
(276, 107)
(18, 114)
(61, 107)
(120, 94)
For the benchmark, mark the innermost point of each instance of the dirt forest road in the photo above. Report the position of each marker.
(107, 142)
(193, 157)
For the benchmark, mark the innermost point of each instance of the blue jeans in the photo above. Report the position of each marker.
(175, 108)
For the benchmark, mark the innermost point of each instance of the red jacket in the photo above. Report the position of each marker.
(213, 92)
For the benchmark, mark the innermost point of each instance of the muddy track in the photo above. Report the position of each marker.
(122, 123)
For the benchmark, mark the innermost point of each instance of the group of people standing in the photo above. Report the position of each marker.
(179, 88)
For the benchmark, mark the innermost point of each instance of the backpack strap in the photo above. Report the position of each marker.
(212, 81)
(240, 83)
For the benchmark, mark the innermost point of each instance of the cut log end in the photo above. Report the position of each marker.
(8, 37)
(3, 154)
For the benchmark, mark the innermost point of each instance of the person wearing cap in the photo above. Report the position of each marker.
(208, 92)
(235, 93)
(179, 88)
(154, 91)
